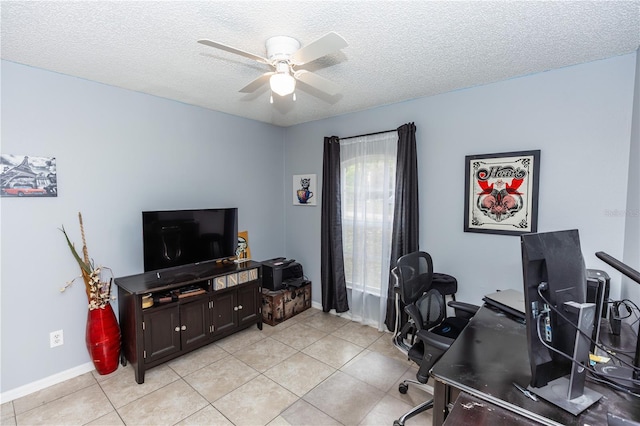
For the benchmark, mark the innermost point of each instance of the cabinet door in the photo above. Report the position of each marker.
(248, 307)
(224, 317)
(194, 322)
(161, 328)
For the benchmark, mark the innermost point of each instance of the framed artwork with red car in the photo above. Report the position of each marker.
(28, 176)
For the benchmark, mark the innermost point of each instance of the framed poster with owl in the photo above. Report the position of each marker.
(304, 190)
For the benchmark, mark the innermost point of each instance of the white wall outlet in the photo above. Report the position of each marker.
(56, 338)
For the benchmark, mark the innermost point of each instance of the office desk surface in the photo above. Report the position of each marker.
(469, 410)
(491, 353)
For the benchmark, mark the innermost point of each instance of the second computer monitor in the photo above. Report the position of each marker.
(553, 269)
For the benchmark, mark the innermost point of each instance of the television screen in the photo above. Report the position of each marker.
(181, 237)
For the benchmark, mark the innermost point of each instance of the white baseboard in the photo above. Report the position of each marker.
(66, 375)
(32, 387)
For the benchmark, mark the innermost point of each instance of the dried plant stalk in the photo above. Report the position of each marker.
(98, 291)
(85, 251)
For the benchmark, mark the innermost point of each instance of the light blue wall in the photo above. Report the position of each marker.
(118, 153)
(580, 119)
(631, 290)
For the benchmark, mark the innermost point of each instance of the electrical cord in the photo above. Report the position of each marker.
(593, 377)
(559, 352)
(592, 373)
(600, 346)
(586, 367)
(631, 303)
(636, 312)
(631, 310)
(617, 306)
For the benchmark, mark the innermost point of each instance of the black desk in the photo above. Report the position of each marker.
(624, 344)
(489, 355)
(469, 410)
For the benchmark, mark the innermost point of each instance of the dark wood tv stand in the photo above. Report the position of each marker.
(192, 306)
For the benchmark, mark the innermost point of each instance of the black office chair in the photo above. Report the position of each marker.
(425, 332)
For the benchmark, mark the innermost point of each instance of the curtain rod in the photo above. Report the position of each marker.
(369, 134)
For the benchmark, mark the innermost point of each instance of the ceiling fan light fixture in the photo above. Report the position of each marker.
(282, 84)
(285, 55)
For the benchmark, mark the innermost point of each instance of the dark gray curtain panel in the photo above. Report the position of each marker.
(405, 214)
(334, 288)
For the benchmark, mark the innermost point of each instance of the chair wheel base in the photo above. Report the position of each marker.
(403, 388)
(397, 423)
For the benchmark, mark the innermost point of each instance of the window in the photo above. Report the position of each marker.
(368, 183)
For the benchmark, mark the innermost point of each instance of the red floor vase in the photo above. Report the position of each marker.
(103, 339)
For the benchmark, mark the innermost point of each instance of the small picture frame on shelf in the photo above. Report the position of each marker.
(243, 252)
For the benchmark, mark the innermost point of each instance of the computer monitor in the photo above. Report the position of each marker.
(555, 290)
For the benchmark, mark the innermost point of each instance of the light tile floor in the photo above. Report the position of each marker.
(313, 369)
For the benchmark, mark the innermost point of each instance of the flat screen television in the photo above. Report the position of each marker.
(181, 237)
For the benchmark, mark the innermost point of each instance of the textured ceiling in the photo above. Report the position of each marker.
(398, 50)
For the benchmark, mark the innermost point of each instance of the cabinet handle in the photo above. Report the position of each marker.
(177, 328)
(240, 307)
(183, 328)
(235, 308)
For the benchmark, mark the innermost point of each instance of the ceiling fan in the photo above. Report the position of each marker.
(284, 55)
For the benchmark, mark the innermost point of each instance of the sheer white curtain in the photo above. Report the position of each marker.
(368, 167)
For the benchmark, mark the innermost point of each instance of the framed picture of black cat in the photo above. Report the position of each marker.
(304, 190)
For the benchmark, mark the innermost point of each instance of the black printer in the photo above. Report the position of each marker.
(280, 273)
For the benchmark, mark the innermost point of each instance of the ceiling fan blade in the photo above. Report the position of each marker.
(230, 49)
(325, 45)
(255, 84)
(317, 82)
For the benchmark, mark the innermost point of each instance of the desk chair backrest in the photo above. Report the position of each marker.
(432, 308)
(415, 276)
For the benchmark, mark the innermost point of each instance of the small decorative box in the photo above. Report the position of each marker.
(243, 277)
(232, 279)
(253, 274)
(220, 282)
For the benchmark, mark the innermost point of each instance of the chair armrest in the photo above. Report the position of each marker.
(463, 310)
(435, 340)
